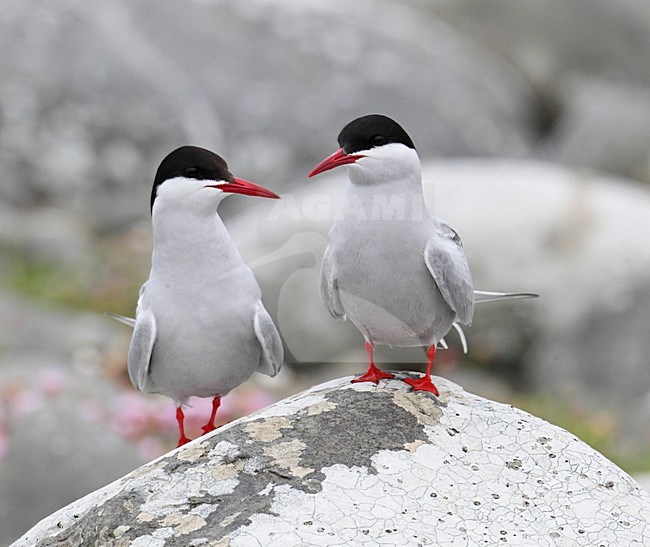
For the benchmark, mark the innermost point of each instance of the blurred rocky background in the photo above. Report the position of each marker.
(532, 118)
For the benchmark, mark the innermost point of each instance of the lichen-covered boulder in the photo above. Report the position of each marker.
(359, 464)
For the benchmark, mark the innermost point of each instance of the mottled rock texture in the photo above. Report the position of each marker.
(345, 464)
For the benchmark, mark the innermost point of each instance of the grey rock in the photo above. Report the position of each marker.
(359, 464)
(604, 126)
(552, 39)
(578, 239)
(588, 65)
(95, 96)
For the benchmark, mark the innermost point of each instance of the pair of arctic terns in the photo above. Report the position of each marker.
(201, 328)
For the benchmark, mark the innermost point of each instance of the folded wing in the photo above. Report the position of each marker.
(270, 342)
(446, 261)
(329, 291)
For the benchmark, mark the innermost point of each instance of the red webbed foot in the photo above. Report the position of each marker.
(425, 383)
(183, 440)
(422, 384)
(373, 375)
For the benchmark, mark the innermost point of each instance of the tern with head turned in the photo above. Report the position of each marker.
(200, 328)
(398, 273)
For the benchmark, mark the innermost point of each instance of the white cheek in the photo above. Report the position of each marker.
(183, 193)
(177, 188)
(385, 164)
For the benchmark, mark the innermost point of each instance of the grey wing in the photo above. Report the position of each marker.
(142, 342)
(272, 353)
(329, 290)
(446, 261)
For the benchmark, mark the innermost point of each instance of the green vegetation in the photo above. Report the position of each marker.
(106, 281)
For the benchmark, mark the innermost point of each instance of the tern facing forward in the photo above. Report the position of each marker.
(200, 327)
(399, 274)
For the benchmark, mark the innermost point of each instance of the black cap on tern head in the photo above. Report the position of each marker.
(371, 131)
(191, 162)
(194, 163)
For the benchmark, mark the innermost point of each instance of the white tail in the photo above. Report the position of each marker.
(490, 296)
(461, 335)
(125, 320)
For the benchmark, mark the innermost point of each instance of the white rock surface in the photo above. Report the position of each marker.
(344, 464)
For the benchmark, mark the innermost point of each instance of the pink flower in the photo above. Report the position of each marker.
(90, 411)
(150, 448)
(130, 416)
(52, 382)
(26, 402)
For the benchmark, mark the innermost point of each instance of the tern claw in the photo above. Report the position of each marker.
(373, 375)
(422, 384)
(182, 440)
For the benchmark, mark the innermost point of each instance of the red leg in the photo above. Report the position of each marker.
(373, 374)
(210, 425)
(425, 383)
(180, 418)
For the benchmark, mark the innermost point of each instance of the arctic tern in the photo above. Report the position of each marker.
(200, 328)
(398, 273)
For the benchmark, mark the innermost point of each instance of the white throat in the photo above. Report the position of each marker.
(386, 164)
(191, 248)
(386, 186)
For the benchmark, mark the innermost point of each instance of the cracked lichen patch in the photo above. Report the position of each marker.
(193, 452)
(421, 405)
(287, 456)
(228, 520)
(353, 464)
(184, 524)
(412, 447)
(120, 531)
(323, 406)
(223, 472)
(268, 430)
(145, 517)
(146, 469)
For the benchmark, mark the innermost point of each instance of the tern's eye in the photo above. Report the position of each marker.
(378, 140)
(192, 173)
